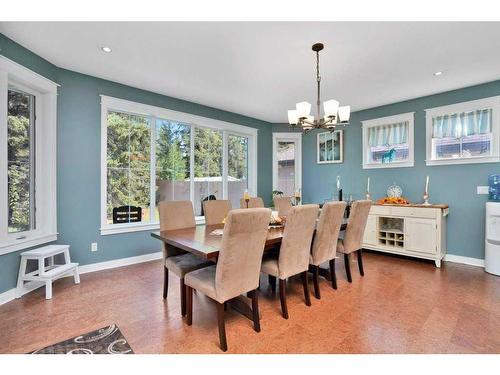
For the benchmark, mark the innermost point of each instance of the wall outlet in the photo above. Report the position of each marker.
(482, 190)
(93, 246)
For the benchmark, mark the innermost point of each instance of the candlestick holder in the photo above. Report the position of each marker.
(426, 199)
(247, 200)
(368, 196)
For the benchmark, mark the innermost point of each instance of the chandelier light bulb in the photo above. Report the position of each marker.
(303, 109)
(331, 108)
(293, 119)
(344, 113)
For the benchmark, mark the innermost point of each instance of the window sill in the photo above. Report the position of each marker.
(27, 243)
(404, 164)
(137, 227)
(489, 159)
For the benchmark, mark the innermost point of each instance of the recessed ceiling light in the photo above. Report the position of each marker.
(106, 49)
(438, 73)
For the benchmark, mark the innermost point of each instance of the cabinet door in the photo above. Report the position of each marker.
(370, 235)
(421, 235)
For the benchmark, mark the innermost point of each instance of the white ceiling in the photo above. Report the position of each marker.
(263, 69)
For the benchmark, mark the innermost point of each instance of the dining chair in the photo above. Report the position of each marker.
(293, 257)
(353, 238)
(216, 211)
(255, 202)
(324, 245)
(283, 205)
(178, 215)
(238, 266)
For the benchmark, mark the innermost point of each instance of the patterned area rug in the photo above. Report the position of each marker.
(107, 340)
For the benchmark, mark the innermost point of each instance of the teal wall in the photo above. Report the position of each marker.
(78, 160)
(451, 184)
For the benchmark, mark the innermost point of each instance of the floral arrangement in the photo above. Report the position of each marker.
(393, 200)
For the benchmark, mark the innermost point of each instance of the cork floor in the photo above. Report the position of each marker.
(400, 306)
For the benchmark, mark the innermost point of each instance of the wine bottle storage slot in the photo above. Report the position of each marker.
(391, 232)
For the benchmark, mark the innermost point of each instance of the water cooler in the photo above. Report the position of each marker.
(492, 246)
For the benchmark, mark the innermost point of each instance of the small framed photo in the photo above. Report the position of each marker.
(330, 147)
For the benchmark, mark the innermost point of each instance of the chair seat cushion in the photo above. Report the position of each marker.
(203, 280)
(182, 264)
(270, 267)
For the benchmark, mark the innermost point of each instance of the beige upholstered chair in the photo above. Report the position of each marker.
(216, 211)
(238, 266)
(353, 238)
(177, 215)
(283, 205)
(293, 258)
(255, 202)
(324, 245)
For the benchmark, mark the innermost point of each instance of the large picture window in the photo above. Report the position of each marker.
(152, 154)
(27, 166)
(388, 142)
(463, 133)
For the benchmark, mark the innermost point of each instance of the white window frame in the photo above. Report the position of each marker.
(367, 124)
(292, 137)
(473, 105)
(45, 92)
(109, 103)
(341, 138)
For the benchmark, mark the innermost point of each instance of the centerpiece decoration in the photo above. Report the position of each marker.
(394, 196)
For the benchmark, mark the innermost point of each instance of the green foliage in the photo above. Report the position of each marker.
(18, 173)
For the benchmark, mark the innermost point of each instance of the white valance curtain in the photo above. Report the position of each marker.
(390, 134)
(463, 124)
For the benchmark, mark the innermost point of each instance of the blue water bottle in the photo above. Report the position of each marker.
(494, 187)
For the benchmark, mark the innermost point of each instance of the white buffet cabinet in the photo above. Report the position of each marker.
(413, 230)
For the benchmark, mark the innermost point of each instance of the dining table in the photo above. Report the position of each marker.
(205, 241)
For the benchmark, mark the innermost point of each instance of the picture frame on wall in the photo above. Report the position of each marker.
(330, 147)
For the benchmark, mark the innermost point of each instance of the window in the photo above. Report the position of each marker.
(388, 142)
(190, 158)
(27, 194)
(287, 161)
(20, 161)
(463, 133)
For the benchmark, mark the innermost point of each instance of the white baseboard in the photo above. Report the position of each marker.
(11, 294)
(464, 260)
(115, 263)
(8, 296)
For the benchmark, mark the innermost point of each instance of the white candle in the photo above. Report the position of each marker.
(338, 182)
(427, 185)
(368, 185)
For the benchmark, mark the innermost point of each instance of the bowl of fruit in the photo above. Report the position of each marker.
(393, 200)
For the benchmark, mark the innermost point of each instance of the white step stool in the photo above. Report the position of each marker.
(45, 274)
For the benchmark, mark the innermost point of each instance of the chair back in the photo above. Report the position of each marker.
(240, 258)
(175, 215)
(283, 205)
(327, 232)
(297, 237)
(355, 230)
(216, 211)
(255, 202)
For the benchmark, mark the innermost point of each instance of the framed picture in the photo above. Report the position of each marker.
(330, 147)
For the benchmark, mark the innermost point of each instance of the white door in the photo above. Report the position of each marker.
(370, 235)
(421, 235)
(287, 162)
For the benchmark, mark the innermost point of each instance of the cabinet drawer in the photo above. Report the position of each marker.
(380, 210)
(429, 213)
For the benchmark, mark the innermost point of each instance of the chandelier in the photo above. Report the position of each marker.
(334, 115)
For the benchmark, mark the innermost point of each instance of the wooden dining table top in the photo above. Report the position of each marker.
(200, 241)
